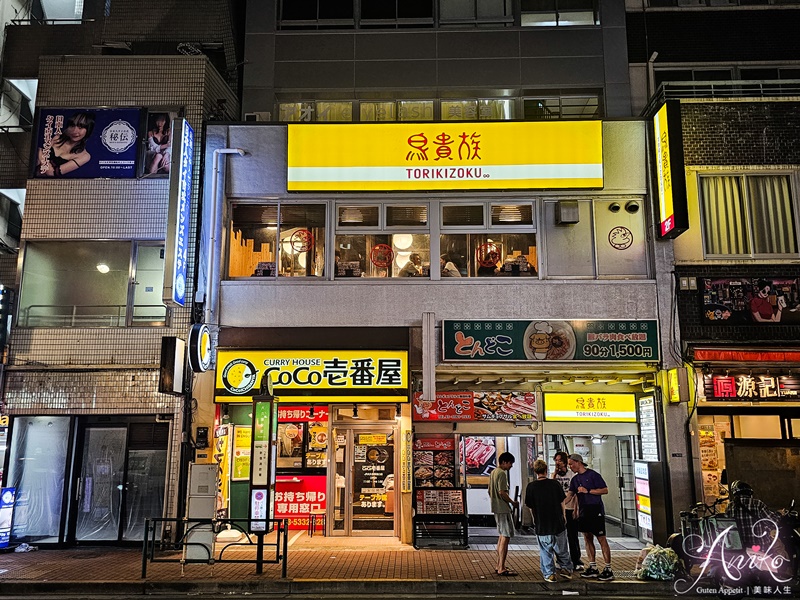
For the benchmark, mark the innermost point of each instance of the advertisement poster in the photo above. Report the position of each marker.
(7, 496)
(440, 502)
(750, 300)
(476, 406)
(158, 143)
(222, 457)
(479, 455)
(295, 497)
(83, 143)
(550, 340)
(241, 453)
(434, 462)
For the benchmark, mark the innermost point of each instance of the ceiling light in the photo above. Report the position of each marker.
(402, 240)
(103, 268)
(510, 214)
(402, 259)
(352, 215)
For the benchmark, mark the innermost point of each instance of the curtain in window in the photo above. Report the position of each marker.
(773, 218)
(725, 226)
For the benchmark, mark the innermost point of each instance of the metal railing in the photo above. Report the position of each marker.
(35, 21)
(712, 90)
(85, 315)
(212, 555)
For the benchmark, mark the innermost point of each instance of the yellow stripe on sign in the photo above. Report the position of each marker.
(463, 155)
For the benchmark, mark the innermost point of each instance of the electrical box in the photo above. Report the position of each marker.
(567, 212)
(201, 504)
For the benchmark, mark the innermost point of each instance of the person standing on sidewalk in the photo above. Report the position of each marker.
(589, 487)
(563, 475)
(501, 508)
(545, 498)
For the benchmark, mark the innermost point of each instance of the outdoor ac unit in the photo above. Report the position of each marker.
(258, 116)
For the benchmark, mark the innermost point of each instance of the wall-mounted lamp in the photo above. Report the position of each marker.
(456, 380)
(597, 439)
(479, 381)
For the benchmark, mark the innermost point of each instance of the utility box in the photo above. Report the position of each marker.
(567, 212)
(201, 504)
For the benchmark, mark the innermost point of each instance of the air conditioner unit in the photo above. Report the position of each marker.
(258, 116)
(567, 212)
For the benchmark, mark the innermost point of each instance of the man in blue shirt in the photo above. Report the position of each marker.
(589, 487)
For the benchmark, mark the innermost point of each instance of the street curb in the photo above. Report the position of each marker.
(342, 587)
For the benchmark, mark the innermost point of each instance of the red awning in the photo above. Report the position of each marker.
(749, 356)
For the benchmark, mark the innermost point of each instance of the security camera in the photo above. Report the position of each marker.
(614, 207)
(632, 207)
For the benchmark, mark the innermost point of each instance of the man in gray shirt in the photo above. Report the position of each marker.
(501, 508)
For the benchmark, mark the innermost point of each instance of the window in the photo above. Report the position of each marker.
(378, 111)
(415, 110)
(473, 110)
(391, 240)
(562, 13)
(489, 239)
(320, 111)
(547, 107)
(748, 215)
(477, 12)
(92, 284)
(269, 240)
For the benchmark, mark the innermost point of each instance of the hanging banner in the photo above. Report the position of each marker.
(550, 340)
(445, 156)
(476, 406)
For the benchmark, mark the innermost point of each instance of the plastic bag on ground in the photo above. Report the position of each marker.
(660, 564)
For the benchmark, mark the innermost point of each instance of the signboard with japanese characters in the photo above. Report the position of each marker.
(590, 406)
(751, 388)
(445, 156)
(296, 496)
(440, 502)
(332, 376)
(550, 340)
(434, 462)
(476, 406)
(373, 475)
(87, 143)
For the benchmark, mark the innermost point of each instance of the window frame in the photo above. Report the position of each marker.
(742, 175)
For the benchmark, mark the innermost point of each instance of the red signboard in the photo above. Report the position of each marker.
(297, 495)
(476, 406)
(295, 414)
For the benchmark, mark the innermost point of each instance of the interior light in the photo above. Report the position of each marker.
(402, 259)
(301, 260)
(402, 240)
(510, 214)
(596, 439)
(103, 268)
(352, 215)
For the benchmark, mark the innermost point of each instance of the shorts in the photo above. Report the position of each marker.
(505, 524)
(592, 520)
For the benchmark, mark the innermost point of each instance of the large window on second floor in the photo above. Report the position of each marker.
(748, 216)
(92, 284)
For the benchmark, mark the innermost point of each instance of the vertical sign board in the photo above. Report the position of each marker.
(179, 214)
(641, 473)
(7, 496)
(673, 212)
(263, 456)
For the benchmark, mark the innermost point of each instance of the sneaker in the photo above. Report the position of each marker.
(579, 567)
(551, 579)
(606, 575)
(565, 573)
(591, 573)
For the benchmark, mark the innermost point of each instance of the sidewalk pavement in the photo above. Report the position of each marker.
(319, 565)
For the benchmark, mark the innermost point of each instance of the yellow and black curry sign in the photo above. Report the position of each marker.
(314, 376)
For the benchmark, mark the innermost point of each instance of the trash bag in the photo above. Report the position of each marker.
(660, 564)
(26, 548)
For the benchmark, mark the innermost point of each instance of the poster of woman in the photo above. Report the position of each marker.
(86, 143)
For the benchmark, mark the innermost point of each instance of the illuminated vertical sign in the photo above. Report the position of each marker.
(668, 137)
(179, 214)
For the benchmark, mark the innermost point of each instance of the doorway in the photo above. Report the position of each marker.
(120, 480)
(363, 483)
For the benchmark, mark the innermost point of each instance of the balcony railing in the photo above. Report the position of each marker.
(88, 315)
(722, 89)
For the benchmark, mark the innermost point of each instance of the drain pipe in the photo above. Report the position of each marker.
(215, 206)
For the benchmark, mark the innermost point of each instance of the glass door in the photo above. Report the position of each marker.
(364, 480)
(626, 486)
(120, 483)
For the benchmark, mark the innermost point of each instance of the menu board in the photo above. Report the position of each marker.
(434, 462)
(373, 474)
(647, 429)
(440, 502)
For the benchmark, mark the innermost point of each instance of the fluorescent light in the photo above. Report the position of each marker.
(103, 268)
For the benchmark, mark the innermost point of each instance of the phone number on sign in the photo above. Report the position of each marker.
(618, 351)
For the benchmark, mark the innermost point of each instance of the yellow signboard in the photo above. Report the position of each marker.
(590, 407)
(242, 436)
(445, 156)
(372, 439)
(311, 375)
(643, 503)
(663, 171)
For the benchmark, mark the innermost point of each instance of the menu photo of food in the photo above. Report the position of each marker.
(434, 469)
(480, 455)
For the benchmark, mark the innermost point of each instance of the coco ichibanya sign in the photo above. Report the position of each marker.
(331, 376)
(550, 340)
(445, 156)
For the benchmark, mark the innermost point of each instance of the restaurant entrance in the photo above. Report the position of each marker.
(363, 485)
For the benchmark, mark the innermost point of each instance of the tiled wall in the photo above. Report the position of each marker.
(14, 159)
(741, 133)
